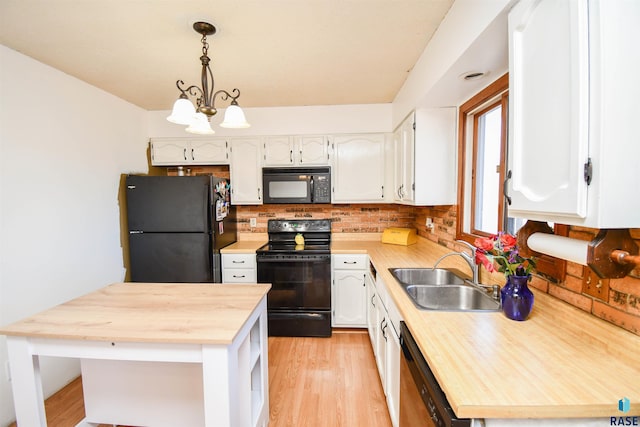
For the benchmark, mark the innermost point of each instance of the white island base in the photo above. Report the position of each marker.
(172, 390)
(154, 384)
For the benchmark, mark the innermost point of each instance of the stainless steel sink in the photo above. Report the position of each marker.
(445, 290)
(451, 298)
(426, 276)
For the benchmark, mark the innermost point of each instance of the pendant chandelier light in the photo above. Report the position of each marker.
(197, 118)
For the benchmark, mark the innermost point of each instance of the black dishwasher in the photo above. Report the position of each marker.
(422, 401)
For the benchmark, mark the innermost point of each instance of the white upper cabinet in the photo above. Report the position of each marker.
(425, 158)
(358, 172)
(278, 151)
(313, 150)
(296, 151)
(404, 178)
(181, 151)
(573, 150)
(246, 171)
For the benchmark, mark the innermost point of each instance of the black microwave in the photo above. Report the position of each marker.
(296, 185)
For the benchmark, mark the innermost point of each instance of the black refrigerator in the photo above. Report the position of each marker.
(177, 226)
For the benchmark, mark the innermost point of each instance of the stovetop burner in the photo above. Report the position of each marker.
(282, 234)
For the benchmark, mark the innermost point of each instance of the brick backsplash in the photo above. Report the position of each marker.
(358, 218)
(622, 307)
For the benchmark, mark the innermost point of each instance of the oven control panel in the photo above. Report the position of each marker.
(297, 226)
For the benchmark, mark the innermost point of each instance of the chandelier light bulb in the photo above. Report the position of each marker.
(234, 118)
(200, 125)
(183, 110)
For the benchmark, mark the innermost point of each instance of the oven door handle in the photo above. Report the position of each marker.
(294, 315)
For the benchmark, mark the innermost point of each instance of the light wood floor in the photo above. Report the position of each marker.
(314, 382)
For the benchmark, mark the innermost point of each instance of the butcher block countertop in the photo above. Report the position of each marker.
(243, 247)
(149, 312)
(560, 363)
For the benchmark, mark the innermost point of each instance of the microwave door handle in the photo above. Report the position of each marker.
(311, 185)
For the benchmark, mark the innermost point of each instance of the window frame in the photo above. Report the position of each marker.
(502, 102)
(551, 268)
(498, 90)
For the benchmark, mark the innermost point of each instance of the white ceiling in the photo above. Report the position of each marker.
(277, 52)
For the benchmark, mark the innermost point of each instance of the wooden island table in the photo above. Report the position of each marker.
(152, 355)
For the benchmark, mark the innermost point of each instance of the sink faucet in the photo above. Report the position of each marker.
(470, 259)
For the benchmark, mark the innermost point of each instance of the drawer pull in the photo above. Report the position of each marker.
(239, 277)
(237, 262)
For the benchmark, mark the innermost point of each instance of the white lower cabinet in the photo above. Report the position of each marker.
(372, 311)
(383, 321)
(381, 340)
(392, 374)
(239, 268)
(349, 293)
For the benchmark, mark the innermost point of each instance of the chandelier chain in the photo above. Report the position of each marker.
(205, 45)
(205, 95)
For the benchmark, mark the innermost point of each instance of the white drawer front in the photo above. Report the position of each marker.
(238, 261)
(239, 275)
(350, 262)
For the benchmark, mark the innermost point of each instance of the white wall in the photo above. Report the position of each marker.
(63, 146)
(450, 45)
(319, 119)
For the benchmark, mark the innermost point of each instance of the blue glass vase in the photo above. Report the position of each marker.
(516, 297)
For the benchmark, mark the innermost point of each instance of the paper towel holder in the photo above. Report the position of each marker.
(611, 254)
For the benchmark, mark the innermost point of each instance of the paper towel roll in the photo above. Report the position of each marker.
(560, 247)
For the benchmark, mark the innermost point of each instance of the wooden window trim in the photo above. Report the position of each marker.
(499, 86)
(498, 103)
(549, 267)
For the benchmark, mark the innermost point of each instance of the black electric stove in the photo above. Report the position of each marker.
(299, 302)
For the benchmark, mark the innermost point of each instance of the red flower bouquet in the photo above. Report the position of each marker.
(501, 250)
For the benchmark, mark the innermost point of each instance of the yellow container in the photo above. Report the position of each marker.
(399, 236)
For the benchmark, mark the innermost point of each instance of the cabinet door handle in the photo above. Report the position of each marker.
(184, 153)
(192, 156)
(382, 190)
(505, 187)
(349, 262)
(290, 156)
(373, 300)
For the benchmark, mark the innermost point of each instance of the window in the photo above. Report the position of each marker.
(482, 160)
(482, 170)
(485, 175)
